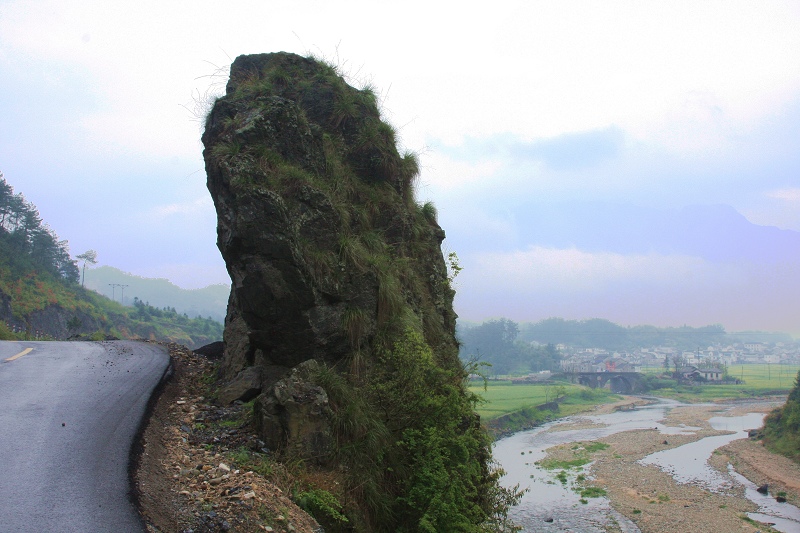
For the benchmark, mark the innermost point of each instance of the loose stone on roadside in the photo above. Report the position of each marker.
(206, 491)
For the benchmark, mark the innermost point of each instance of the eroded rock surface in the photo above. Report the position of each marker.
(317, 224)
(296, 413)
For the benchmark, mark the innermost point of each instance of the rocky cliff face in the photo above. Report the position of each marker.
(340, 314)
(52, 321)
(316, 220)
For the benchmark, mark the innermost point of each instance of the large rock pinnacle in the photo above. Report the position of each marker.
(326, 248)
(340, 317)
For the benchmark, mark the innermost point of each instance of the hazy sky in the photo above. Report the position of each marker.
(636, 161)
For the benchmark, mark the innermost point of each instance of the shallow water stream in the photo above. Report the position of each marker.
(553, 505)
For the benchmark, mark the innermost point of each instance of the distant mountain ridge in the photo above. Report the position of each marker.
(607, 335)
(211, 301)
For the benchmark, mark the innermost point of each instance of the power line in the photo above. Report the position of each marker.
(114, 293)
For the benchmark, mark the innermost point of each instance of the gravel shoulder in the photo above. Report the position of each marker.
(187, 478)
(656, 502)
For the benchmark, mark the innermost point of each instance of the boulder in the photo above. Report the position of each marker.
(212, 351)
(755, 434)
(295, 413)
(245, 386)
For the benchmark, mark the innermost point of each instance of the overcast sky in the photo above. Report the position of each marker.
(636, 161)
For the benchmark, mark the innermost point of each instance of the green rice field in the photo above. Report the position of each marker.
(757, 380)
(503, 397)
(765, 376)
(761, 376)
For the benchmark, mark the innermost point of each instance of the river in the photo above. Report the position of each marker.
(553, 503)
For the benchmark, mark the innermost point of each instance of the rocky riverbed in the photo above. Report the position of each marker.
(655, 501)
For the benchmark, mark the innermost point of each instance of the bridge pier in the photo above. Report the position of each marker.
(617, 382)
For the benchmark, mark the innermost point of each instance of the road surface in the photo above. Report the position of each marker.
(69, 412)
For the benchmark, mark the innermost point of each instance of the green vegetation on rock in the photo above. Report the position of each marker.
(408, 446)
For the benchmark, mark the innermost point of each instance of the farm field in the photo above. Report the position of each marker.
(503, 397)
(766, 376)
(757, 380)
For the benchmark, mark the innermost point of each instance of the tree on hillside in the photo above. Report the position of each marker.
(495, 342)
(89, 256)
(28, 242)
(492, 341)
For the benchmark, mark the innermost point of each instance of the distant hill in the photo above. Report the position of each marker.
(41, 297)
(211, 301)
(601, 333)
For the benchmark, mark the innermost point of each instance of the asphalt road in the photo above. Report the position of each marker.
(69, 412)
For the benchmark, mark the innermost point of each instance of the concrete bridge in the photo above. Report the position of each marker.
(618, 382)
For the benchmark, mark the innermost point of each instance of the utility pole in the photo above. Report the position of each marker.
(122, 294)
(114, 293)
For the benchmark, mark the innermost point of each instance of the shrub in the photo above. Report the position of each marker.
(324, 507)
(416, 455)
(5, 333)
(782, 426)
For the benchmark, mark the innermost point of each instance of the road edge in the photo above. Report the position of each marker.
(137, 445)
